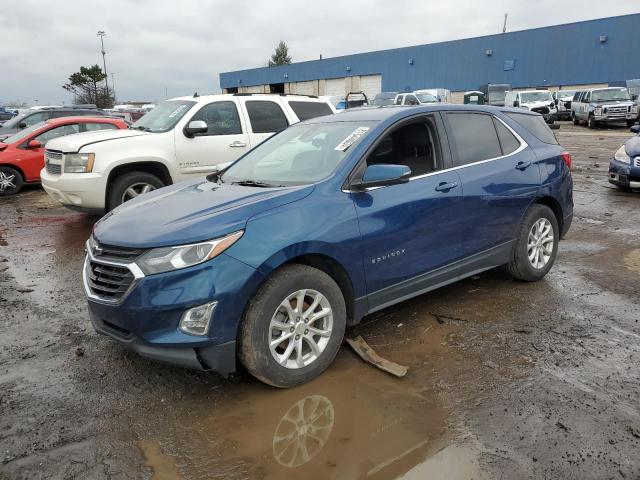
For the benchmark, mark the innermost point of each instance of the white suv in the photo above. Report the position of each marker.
(539, 101)
(180, 138)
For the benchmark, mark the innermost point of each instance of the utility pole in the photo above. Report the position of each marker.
(504, 26)
(101, 34)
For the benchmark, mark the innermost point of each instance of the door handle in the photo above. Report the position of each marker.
(523, 165)
(237, 144)
(446, 186)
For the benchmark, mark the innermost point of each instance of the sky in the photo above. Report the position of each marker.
(165, 48)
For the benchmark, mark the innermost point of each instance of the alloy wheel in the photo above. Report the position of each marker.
(135, 190)
(540, 243)
(7, 181)
(300, 328)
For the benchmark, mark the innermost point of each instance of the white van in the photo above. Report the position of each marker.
(180, 138)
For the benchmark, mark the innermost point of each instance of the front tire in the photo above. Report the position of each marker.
(536, 246)
(575, 120)
(131, 185)
(591, 123)
(10, 181)
(293, 327)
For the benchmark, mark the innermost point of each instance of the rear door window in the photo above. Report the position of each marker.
(508, 141)
(307, 110)
(266, 116)
(92, 127)
(536, 125)
(473, 137)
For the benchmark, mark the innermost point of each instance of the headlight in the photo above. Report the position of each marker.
(597, 112)
(165, 259)
(634, 109)
(621, 155)
(78, 162)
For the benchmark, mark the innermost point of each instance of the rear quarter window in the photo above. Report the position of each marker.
(306, 110)
(535, 125)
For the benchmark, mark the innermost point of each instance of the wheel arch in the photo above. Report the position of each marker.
(555, 207)
(153, 167)
(325, 262)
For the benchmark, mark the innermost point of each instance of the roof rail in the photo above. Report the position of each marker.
(279, 94)
(84, 105)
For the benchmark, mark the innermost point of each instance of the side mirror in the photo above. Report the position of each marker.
(516, 103)
(34, 144)
(195, 127)
(22, 125)
(382, 175)
(635, 128)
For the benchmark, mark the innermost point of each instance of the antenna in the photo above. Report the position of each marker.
(504, 26)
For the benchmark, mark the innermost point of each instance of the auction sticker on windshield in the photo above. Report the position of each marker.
(351, 139)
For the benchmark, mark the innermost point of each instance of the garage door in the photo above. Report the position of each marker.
(334, 87)
(371, 85)
(303, 88)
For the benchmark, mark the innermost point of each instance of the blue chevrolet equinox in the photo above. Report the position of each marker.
(331, 219)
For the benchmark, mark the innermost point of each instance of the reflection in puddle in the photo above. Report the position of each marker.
(303, 431)
(162, 465)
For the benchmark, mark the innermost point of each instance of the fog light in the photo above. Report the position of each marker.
(196, 320)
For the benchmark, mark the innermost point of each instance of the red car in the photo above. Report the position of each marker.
(22, 154)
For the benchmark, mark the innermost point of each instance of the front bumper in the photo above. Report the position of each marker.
(620, 118)
(83, 192)
(624, 174)
(147, 316)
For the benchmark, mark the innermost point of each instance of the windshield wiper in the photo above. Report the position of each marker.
(254, 183)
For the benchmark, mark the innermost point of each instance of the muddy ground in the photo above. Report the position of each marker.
(506, 380)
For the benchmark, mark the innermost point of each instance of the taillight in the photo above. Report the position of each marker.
(566, 156)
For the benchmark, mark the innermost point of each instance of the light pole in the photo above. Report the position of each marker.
(113, 87)
(101, 34)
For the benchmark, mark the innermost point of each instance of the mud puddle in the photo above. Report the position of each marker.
(352, 422)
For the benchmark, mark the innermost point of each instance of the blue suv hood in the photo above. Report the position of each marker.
(189, 212)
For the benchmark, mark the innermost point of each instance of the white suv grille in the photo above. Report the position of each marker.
(53, 162)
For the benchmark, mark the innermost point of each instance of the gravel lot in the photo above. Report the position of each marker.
(506, 380)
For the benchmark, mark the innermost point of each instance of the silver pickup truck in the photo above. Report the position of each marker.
(603, 106)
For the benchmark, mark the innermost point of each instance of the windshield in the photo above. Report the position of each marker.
(566, 93)
(164, 117)
(426, 98)
(13, 123)
(530, 97)
(300, 155)
(382, 101)
(22, 134)
(609, 95)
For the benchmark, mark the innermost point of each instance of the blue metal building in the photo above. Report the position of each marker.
(602, 51)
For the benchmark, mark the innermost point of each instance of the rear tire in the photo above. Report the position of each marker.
(272, 314)
(123, 187)
(10, 181)
(536, 246)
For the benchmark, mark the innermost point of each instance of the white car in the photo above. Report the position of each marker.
(414, 98)
(442, 94)
(539, 101)
(180, 138)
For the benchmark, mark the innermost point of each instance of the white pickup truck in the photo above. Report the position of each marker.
(180, 138)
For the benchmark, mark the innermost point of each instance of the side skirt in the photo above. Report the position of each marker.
(494, 257)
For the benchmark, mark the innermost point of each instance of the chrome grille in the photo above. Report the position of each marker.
(108, 282)
(113, 253)
(53, 162)
(54, 169)
(541, 110)
(616, 110)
